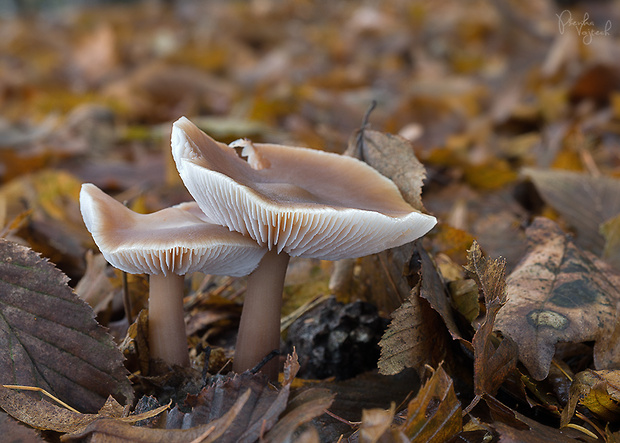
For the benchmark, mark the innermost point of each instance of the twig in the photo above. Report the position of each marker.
(343, 420)
(360, 135)
(265, 360)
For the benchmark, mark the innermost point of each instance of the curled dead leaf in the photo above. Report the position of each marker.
(599, 391)
(560, 293)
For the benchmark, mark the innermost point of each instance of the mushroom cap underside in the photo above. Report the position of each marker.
(175, 240)
(301, 201)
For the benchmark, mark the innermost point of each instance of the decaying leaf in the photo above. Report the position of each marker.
(41, 414)
(95, 287)
(610, 229)
(560, 293)
(512, 426)
(54, 226)
(389, 276)
(49, 336)
(116, 431)
(259, 414)
(583, 200)
(434, 415)
(599, 391)
(13, 431)
(417, 333)
(464, 295)
(392, 156)
(303, 408)
(375, 423)
(491, 364)
(415, 337)
(434, 291)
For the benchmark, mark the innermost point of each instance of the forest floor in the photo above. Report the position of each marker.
(500, 324)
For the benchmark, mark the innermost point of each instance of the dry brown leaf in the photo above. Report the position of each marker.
(305, 407)
(611, 231)
(585, 201)
(259, 414)
(55, 227)
(512, 426)
(158, 92)
(95, 287)
(13, 431)
(41, 414)
(376, 423)
(599, 391)
(434, 291)
(49, 337)
(434, 415)
(414, 338)
(369, 390)
(388, 277)
(116, 431)
(393, 157)
(559, 293)
(492, 364)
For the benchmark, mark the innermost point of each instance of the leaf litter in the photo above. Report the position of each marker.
(508, 121)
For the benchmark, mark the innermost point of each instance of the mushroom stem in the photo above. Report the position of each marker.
(167, 337)
(259, 329)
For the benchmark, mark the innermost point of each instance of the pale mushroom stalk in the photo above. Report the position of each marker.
(167, 336)
(259, 329)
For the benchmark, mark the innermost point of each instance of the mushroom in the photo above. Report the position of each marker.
(167, 245)
(294, 202)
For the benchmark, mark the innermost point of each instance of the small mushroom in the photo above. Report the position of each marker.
(294, 202)
(167, 245)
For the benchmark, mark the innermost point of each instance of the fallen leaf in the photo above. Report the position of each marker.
(434, 291)
(50, 337)
(464, 295)
(599, 391)
(305, 407)
(610, 229)
(375, 423)
(414, 337)
(512, 426)
(392, 156)
(596, 83)
(158, 92)
(492, 364)
(585, 201)
(13, 431)
(41, 414)
(434, 415)
(388, 277)
(55, 227)
(116, 431)
(493, 174)
(259, 414)
(95, 287)
(451, 241)
(560, 293)
(370, 390)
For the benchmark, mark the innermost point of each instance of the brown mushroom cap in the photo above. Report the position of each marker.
(301, 201)
(176, 240)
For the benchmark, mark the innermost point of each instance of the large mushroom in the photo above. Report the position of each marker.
(294, 202)
(167, 245)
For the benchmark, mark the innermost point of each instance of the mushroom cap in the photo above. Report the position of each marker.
(175, 240)
(301, 201)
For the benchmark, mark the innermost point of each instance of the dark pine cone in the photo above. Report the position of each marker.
(337, 340)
